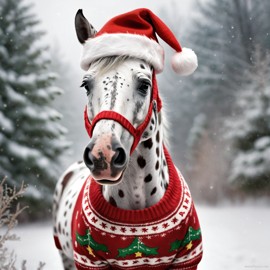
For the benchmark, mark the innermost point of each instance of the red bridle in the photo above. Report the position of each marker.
(155, 104)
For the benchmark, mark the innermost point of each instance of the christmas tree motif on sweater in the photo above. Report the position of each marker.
(190, 236)
(92, 245)
(137, 248)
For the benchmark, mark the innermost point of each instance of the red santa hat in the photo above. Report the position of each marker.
(135, 34)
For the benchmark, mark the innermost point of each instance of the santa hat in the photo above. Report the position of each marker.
(134, 34)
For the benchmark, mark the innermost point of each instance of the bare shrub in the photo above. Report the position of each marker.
(10, 209)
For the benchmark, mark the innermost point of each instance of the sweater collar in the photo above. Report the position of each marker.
(165, 207)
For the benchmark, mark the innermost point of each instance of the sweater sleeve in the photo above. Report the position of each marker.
(190, 248)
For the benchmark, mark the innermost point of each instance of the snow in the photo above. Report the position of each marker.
(5, 123)
(253, 163)
(262, 143)
(27, 79)
(235, 238)
(33, 192)
(51, 91)
(54, 90)
(33, 78)
(14, 96)
(45, 115)
(3, 50)
(9, 76)
(197, 130)
(22, 151)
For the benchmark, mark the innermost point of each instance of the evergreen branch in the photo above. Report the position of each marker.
(191, 235)
(87, 240)
(137, 246)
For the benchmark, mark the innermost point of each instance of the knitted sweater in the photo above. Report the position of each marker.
(164, 236)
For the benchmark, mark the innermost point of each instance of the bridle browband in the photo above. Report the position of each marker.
(155, 104)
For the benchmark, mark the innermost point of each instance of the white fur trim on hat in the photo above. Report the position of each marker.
(132, 45)
(184, 62)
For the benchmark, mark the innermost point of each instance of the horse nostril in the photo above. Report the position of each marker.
(88, 158)
(119, 159)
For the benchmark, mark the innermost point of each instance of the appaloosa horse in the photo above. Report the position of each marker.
(127, 206)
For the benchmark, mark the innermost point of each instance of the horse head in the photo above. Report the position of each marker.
(120, 106)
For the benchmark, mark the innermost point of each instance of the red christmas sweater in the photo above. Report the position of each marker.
(164, 236)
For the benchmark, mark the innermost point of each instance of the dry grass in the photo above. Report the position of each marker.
(10, 209)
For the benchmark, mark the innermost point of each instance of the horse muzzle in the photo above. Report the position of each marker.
(106, 159)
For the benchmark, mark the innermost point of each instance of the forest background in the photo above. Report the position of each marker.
(219, 117)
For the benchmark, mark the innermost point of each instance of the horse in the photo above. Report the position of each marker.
(126, 206)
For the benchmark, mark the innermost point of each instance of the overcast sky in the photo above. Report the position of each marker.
(57, 18)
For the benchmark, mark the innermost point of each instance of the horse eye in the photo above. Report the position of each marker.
(144, 87)
(87, 83)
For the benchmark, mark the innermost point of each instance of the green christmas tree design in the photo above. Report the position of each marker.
(87, 240)
(190, 236)
(137, 248)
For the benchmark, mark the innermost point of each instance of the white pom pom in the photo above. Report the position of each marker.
(185, 62)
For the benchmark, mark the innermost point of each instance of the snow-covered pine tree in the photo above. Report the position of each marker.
(71, 105)
(31, 140)
(223, 34)
(195, 136)
(249, 129)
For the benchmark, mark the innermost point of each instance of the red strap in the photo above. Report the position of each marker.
(111, 115)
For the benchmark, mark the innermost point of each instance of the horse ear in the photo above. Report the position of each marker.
(84, 29)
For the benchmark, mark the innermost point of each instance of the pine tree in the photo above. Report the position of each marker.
(196, 133)
(249, 129)
(31, 140)
(224, 35)
(71, 105)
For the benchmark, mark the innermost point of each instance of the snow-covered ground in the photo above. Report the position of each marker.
(235, 238)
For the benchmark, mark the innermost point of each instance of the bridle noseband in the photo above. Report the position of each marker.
(155, 104)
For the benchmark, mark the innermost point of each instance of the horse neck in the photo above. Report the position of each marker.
(146, 177)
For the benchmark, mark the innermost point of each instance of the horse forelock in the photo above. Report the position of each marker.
(105, 64)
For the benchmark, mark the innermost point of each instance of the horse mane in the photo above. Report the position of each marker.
(104, 64)
(165, 124)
